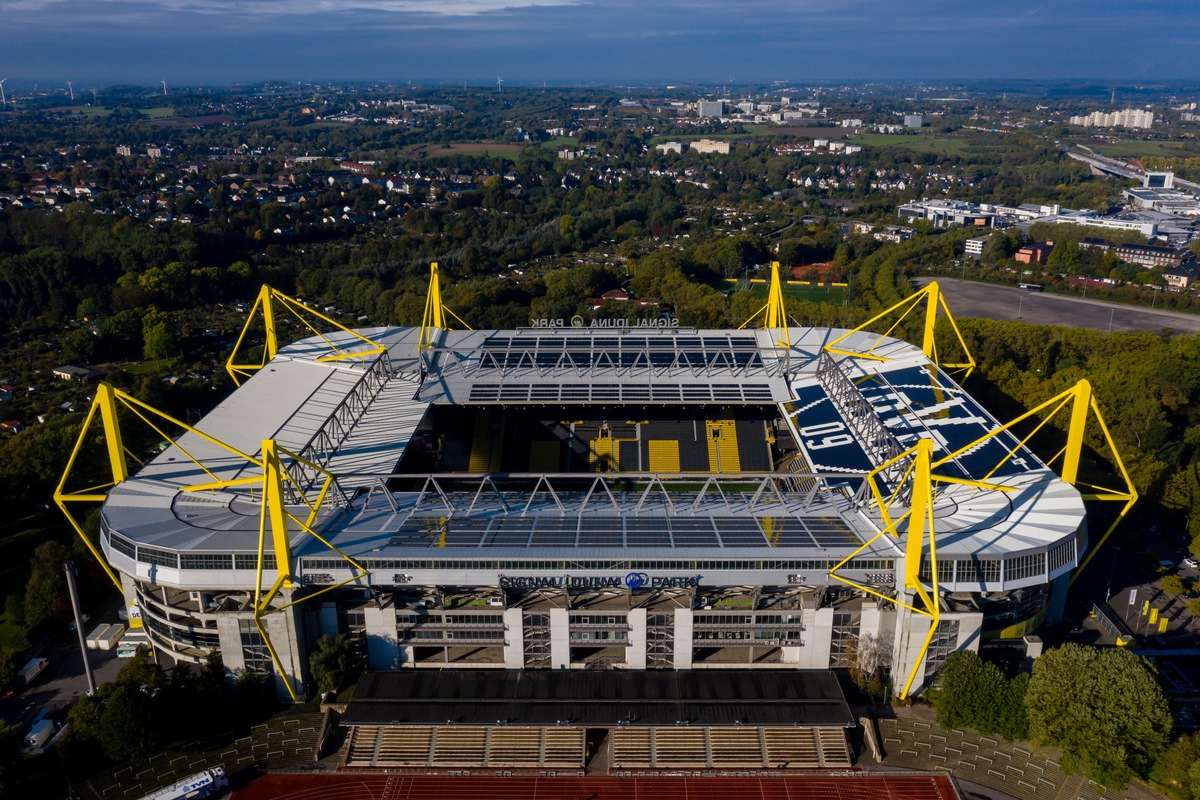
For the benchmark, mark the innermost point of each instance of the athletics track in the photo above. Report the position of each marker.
(434, 787)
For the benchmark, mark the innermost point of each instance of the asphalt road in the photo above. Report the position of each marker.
(61, 683)
(989, 301)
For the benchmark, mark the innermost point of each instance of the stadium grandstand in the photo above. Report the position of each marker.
(617, 519)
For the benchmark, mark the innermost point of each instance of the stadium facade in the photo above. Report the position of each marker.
(573, 497)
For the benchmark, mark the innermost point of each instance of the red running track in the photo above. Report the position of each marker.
(436, 787)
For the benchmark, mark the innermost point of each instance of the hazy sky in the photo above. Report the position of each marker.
(96, 42)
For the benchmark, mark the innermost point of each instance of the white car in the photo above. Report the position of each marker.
(1191, 562)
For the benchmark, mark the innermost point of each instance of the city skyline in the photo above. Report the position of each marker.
(214, 41)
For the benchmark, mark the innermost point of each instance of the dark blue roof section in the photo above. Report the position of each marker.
(913, 402)
(824, 434)
(923, 402)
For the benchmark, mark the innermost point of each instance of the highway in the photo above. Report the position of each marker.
(989, 301)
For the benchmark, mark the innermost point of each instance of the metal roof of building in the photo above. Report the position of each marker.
(608, 698)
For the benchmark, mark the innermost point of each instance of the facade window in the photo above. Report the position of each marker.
(944, 642)
(122, 546)
(843, 638)
(163, 558)
(1024, 567)
(243, 561)
(983, 571)
(255, 655)
(1062, 555)
(204, 561)
(945, 570)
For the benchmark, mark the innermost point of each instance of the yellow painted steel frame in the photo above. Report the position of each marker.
(773, 313)
(919, 480)
(933, 300)
(1080, 400)
(274, 513)
(435, 311)
(269, 300)
(106, 403)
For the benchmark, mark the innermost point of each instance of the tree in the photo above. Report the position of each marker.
(159, 341)
(10, 665)
(1104, 708)
(1171, 584)
(45, 593)
(1171, 769)
(330, 662)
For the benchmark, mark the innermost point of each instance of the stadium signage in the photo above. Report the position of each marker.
(599, 581)
(579, 322)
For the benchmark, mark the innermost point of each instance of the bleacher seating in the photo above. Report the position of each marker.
(459, 747)
(363, 743)
(513, 747)
(835, 750)
(795, 748)
(680, 747)
(735, 747)
(404, 747)
(562, 747)
(631, 747)
(423, 746)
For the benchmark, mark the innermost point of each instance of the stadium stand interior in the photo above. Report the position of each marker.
(713, 439)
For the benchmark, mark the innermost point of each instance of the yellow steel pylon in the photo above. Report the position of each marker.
(934, 300)
(773, 313)
(1081, 401)
(435, 311)
(271, 301)
(916, 482)
(275, 515)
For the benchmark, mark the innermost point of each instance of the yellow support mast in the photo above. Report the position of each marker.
(436, 312)
(276, 518)
(934, 300)
(1083, 407)
(773, 313)
(271, 302)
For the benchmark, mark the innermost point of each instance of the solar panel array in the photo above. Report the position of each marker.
(623, 532)
(619, 393)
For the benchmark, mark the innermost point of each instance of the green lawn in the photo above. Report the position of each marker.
(812, 294)
(921, 143)
(481, 150)
(95, 111)
(159, 112)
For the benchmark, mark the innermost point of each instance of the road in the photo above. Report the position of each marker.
(989, 301)
(61, 684)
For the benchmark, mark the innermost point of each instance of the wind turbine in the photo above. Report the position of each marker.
(3, 99)
(164, 83)
(71, 89)
(499, 84)
(93, 97)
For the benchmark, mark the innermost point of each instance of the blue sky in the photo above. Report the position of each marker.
(100, 42)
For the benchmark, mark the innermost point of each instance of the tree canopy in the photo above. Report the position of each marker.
(1104, 708)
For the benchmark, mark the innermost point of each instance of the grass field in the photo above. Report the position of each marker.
(921, 143)
(1134, 149)
(813, 294)
(95, 111)
(159, 112)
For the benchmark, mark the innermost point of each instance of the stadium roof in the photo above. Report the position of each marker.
(357, 416)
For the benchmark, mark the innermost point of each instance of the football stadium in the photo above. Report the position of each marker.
(668, 533)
